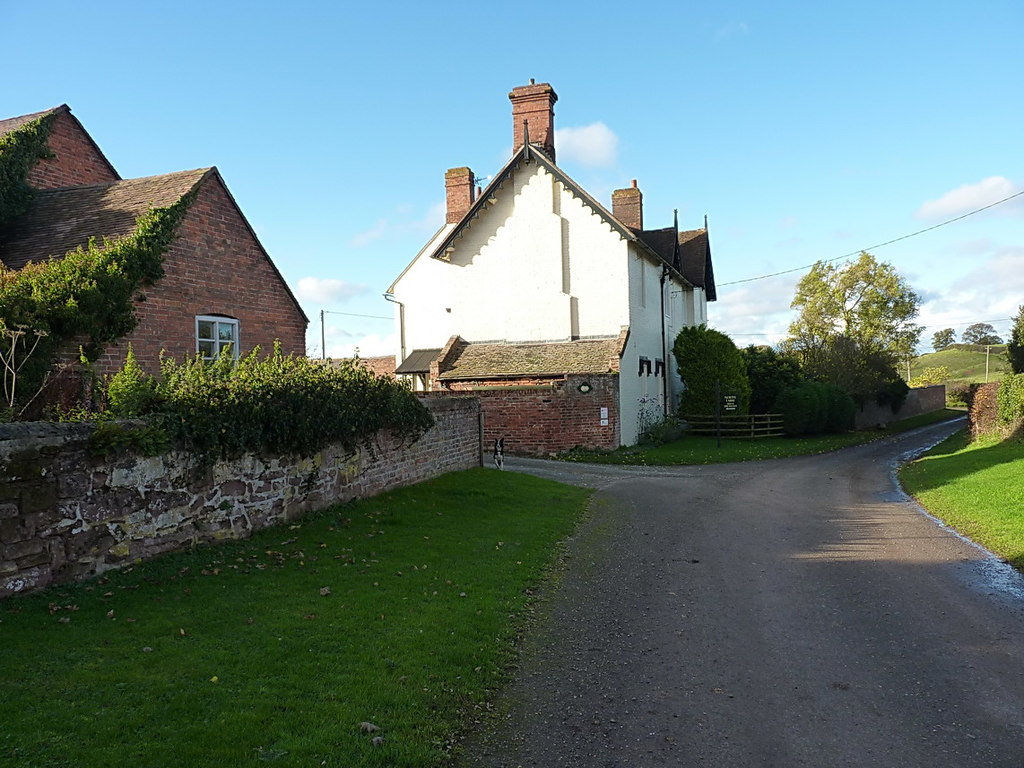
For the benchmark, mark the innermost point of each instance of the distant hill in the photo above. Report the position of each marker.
(966, 363)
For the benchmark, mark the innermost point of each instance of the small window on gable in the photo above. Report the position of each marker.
(216, 335)
(659, 367)
(645, 367)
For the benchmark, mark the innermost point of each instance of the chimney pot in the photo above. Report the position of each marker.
(628, 206)
(534, 105)
(459, 187)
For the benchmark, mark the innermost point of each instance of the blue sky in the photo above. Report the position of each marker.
(803, 131)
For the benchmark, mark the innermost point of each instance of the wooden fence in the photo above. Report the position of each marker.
(738, 427)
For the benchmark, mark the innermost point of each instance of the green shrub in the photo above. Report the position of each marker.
(708, 363)
(811, 408)
(1010, 399)
(801, 409)
(276, 404)
(131, 391)
(769, 373)
(842, 410)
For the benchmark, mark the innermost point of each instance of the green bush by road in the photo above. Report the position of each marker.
(399, 611)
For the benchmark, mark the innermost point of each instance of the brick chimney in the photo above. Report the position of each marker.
(628, 206)
(534, 103)
(458, 187)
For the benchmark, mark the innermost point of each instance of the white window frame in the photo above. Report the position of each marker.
(219, 321)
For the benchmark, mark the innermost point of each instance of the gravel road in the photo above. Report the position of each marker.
(799, 612)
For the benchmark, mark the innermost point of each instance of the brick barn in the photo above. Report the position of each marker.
(220, 290)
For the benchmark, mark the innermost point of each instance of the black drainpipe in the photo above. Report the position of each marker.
(664, 354)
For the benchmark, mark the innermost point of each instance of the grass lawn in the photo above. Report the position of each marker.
(977, 488)
(699, 449)
(399, 611)
(966, 363)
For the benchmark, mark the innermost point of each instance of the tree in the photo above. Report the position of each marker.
(1015, 347)
(980, 333)
(866, 375)
(865, 301)
(770, 374)
(931, 376)
(942, 339)
(708, 362)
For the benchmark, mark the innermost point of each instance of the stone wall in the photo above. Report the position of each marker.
(919, 400)
(65, 514)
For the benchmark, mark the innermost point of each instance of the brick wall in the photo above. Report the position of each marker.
(66, 515)
(919, 400)
(538, 417)
(215, 266)
(76, 160)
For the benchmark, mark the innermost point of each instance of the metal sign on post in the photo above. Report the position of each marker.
(730, 402)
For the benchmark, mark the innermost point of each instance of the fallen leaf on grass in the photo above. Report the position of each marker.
(325, 591)
(367, 727)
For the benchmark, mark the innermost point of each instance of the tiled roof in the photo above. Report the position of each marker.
(13, 123)
(60, 220)
(494, 361)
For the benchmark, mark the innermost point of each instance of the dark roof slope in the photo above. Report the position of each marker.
(418, 361)
(504, 361)
(60, 220)
(695, 259)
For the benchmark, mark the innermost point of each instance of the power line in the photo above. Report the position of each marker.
(353, 314)
(879, 245)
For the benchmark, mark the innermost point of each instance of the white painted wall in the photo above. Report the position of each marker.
(540, 265)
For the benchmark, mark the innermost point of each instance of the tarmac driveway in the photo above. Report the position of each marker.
(799, 612)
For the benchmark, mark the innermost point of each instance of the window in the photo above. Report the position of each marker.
(216, 335)
(645, 367)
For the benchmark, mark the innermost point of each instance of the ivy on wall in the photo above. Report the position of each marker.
(86, 296)
(21, 149)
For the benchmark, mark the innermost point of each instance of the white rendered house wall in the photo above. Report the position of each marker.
(537, 265)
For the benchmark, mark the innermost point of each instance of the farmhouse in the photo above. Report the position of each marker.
(558, 313)
(220, 291)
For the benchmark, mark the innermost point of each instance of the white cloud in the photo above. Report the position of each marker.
(369, 345)
(970, 197)
(756, 312)
(732, 29)
(326, 290)
(990, 293)
(375, 232)
(593, 145)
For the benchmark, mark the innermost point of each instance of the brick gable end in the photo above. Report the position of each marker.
(76, 160)
(215, 266)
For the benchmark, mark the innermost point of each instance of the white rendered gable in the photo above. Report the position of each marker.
(536, 265)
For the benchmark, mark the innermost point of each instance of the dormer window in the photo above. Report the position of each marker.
(216, 335)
